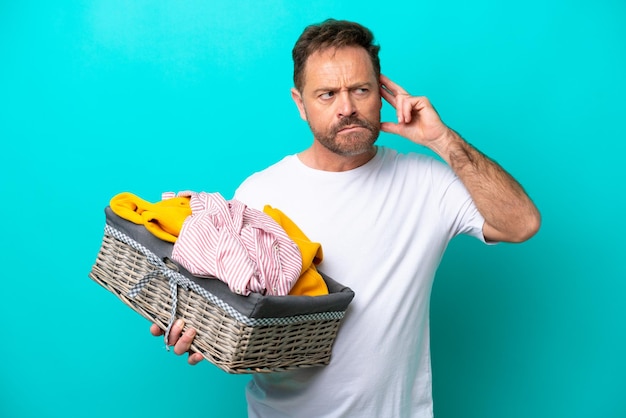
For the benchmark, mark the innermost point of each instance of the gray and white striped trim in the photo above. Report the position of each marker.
(176, 279)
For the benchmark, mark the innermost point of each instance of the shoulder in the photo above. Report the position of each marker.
(414, 162)
(275, 169)
(258, 183)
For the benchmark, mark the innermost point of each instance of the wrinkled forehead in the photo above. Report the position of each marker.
(338, 65)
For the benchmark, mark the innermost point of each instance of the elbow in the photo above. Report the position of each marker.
(514, 229)
(529, 227)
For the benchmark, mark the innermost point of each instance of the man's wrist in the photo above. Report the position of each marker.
(450, 146)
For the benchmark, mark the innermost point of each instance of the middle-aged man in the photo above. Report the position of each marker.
(384, 220)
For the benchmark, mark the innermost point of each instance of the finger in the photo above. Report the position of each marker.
(422, 103)
(394, 88)
(408, 105)
(412, 106)
(400, 108)
(156, 330)
(404, 108)
(392, 128)
(194, 358)
(388, 96)
(184, 342)
(175, 331)
(401, 105)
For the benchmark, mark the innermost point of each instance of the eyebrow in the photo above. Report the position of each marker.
(350, 87)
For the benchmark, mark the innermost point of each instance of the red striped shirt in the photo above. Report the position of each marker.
(241, 246)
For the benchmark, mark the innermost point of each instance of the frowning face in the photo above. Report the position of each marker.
(340, 100)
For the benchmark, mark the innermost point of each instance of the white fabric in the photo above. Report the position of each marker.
(384, 227)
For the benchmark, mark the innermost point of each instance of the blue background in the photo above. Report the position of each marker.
(103, 96)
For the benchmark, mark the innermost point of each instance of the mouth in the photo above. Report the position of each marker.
(350, 128)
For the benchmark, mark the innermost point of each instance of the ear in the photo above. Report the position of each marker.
(297, 98)
(380, 96)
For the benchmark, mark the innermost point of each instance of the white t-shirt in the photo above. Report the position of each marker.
(383, 227)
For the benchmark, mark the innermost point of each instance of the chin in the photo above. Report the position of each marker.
(357, 151)
(351, 151)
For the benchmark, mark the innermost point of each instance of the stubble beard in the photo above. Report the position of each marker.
(349, 144)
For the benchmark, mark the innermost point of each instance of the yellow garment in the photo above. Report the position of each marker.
(310, 282)
(163, 219)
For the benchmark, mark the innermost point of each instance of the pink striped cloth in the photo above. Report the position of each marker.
(241, 246)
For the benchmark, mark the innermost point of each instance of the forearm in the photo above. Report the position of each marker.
(509, 213)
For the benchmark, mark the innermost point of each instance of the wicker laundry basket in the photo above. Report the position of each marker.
(239, 334)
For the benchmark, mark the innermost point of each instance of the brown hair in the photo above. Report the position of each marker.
(331, 33)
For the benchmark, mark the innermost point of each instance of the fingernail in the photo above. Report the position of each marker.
(180, 323)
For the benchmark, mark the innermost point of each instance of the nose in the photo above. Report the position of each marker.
(345, 105)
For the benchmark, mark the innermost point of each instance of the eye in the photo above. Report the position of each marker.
(361, 91)
(327, 96)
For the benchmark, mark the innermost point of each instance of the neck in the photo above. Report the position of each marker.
(320, 158)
